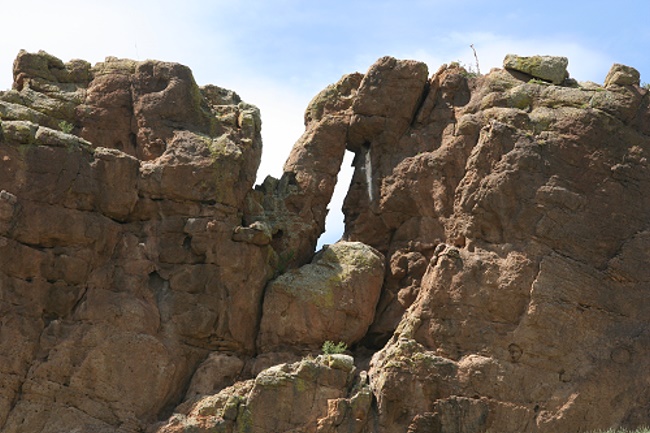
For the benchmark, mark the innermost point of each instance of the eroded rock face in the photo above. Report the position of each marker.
(118, 274)
(492, 276)
(295, 206)
(533, 195)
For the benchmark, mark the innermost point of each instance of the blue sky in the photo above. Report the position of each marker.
(278, 54)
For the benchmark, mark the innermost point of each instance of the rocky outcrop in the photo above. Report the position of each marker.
(491, 278)
(295, 206)
(320, 395)
(532, 194)
(117, 268)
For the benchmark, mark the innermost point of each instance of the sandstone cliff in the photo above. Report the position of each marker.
(492, 276)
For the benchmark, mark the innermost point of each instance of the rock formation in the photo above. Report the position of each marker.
(492, 275)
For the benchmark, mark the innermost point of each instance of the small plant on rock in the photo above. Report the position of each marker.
(66, 127)
(538, 81)
(331, 348)
(478, 69)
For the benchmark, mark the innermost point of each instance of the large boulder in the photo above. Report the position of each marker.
(331, 299)
(622, 75)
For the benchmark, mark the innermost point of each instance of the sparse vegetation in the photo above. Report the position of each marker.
(478, 69)
(469, 71)
(465, 71)
(66, 127)
(470, 74)
(645, 86)
(331, 348)
(623, 430)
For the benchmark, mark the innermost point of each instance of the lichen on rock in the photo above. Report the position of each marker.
(548, 68)
(332, 298)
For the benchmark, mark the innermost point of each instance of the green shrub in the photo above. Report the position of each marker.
(331, 348)
(66, 127)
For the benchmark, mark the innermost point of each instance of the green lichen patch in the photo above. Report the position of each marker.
(19, 131)
(409, 355)
(338, 361)
(546, 68)
(51, 137)
(335, 97)
(522, 97)
(113, 65)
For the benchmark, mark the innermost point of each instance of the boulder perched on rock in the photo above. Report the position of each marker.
(547, 68)
(333, 298)
(622, 75)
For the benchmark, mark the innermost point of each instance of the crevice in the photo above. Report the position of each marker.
(80, 301)
(258, 321)
(187, 243)
(15, 400)
(419, 107)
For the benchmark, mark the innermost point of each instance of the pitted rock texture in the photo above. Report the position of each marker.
(492, 276)
(524, 200)
(118, 274)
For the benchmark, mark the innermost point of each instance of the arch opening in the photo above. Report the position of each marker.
(334, 223)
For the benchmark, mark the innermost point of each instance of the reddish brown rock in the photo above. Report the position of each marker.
(118, 271)
(295, 206)
(218, 371)
(521, 302)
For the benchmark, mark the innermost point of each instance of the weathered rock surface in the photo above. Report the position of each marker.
(295, 206)
(118, 274)
(532, 194)
(623, 76)
(492, 276)
(314, 395)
